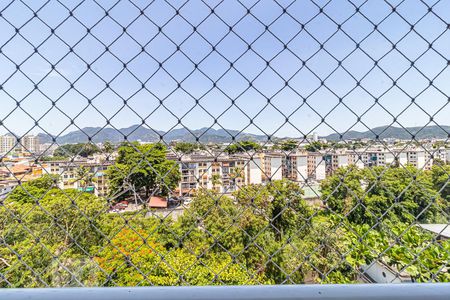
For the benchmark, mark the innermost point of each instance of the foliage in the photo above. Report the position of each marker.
(262, 234)
(314, 146)
(441, 180)
(133, 258)
(53, 237)
(289, 145)
(73, 150)
(143, 168)
(373, 194)
(32, 191)
(187, 148)
(242, 146)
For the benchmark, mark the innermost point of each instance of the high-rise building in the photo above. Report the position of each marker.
(30, 144)
(7, 143)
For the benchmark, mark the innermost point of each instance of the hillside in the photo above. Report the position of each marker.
(385, 132)
(144, 134)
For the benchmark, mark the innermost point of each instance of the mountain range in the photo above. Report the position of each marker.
(210, 135)
(144, 134)
(386, 132)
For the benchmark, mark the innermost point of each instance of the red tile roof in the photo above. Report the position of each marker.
(157, 202)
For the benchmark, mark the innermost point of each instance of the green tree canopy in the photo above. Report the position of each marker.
(72, 150)
(32, 191)
(143, 169)
(187, 148)
(242, 146)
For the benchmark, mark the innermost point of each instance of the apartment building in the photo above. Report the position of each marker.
(420, 158)
(265, 167)
(223, 174)
(316, 167)
(304, 166)
(378, 157)
(95, 179)
(356, 159)
(8, 143)
(29, 144)
(295, 166)
(383, 157)
(337, 159)
(226, 173)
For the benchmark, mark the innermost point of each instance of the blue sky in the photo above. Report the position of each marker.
(156, 61)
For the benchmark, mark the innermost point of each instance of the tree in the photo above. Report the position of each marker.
(108, 148)
(133, 258)
(143, 169)
(235, 174)
(314, 146)
(216, 180)
(32, 191)
(186, 148)
(441, 179)
(342, 190)
(366, 196)
(84, 176)
(53, 235)
(242, 146)
(73, 150)
(289, 145)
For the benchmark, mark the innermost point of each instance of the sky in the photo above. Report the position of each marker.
(281, 67)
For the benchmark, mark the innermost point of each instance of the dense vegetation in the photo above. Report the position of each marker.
(143, 170)
(188, 148)
(242, 146)
(72, 150)
(262, 235)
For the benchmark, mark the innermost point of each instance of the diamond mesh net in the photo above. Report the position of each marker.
(223, 142)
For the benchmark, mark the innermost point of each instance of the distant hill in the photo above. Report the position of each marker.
(385, 132)
(144, 134)
(205, 135)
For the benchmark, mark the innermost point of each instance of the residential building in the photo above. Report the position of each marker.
(265, 167)
(8, 143)
(223, 174)
(94, 180)
(316, 167)
(420, 159)
(304, 166)
(29, 144)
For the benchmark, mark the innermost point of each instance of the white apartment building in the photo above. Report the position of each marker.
(316, 167)
(383, 157)
(222, 174)
(295, 166)
(378, 157)
(8, 143)
(420, 159)
(356, 159)
(265, 167)
(226, 174)
(30, 144)
(69, 179)
(300, 167)
(338, 159)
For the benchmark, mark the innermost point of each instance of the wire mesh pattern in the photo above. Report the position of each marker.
(106, 179)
